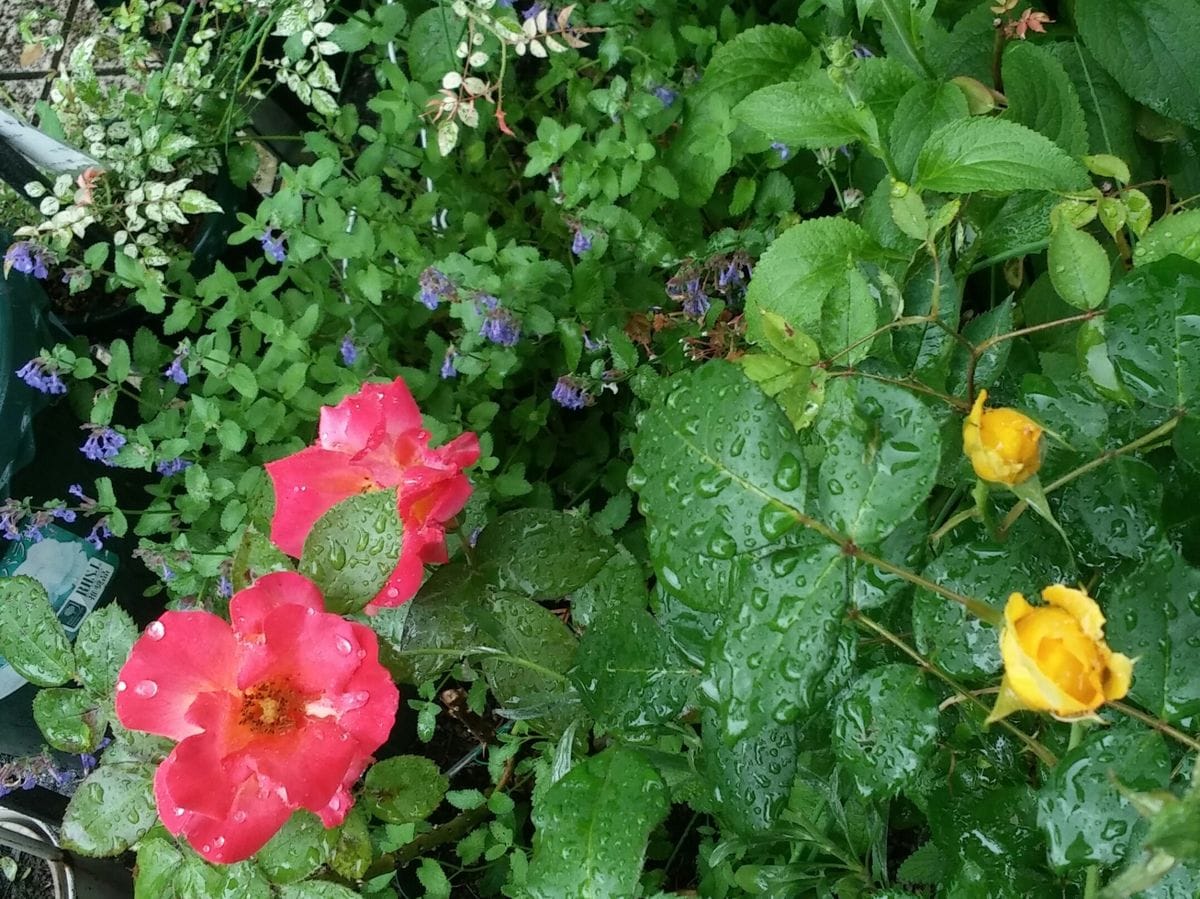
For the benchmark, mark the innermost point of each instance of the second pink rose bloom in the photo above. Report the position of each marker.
(374, 440)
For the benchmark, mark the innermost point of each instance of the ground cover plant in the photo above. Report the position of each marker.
(663, 449)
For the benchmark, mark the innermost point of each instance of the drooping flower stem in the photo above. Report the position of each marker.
(1045, 755)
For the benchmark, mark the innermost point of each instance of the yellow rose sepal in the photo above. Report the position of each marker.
(1056, 659)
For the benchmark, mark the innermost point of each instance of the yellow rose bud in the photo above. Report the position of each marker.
(1004, 446)
(1055, 657)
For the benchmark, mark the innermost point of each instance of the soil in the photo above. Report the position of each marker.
(32, 880)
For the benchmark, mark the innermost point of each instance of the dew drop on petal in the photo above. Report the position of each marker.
(179, 812)
(206, 848)
(146, 689)
(311, 611)
(362, 653)
(239, 817)
(155, 630)
(335, 804)
(122, 686)
(344, 646)
(219, 842)
(392, 593)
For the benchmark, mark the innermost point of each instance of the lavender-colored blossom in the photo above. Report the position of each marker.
(695, 300)
(28, 258)
(100, 532)
(435, 287)
(273, 246)
(448, 369)
(76, 490)
(582, 242)
(175, 371)
(485, 302)
(532, 10)
(569, 394)
(473, 537)
(225, 587)
(34, 532)
(591, 345)
(349, 351)
(63, 514)
(168, 467)
(41, 377)
(862, 51)
(102, 444)
(782, 149)
(499, 325)
(167, 573)
(665, 95)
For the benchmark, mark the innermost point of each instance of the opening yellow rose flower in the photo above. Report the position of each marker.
(1055, 657)
(1004, 446)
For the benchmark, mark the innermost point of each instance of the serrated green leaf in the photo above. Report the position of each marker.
(1178, 233)
(403, 789)
(101, 647)
(1153, 333)
(541, 553)
(317, 889)
(1113, 512)
(32, 639)
(1041, 96)
(352, 853)
(811, 114)
(593, 826)
(754, 59)
(110, 811)
(70, 720)
(799, 271)
(1161, 634)
(749, 781)
(1151, 48)
(300, 847)
(884, 728)
(717, 472)
(1082, 811)
(925, 108)
(882, 449)
(1079, 267)
(994, 155)
(353, 549)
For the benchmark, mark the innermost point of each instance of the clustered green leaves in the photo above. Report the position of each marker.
(731, 628)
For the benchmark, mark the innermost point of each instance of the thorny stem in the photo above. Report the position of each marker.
(978, 350)
(1153, 436)
(1048, 758)
(1161, 726)
(456, 827)
(914, 386)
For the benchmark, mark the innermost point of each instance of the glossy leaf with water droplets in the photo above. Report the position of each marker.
(403, 789)
(884, 728)
(300, 847)
(70, 720)
(1081, 807)
(101, 647)
(882, 450)
(110, 811)
(1153, 613)
(719, 474)
(32, 639)
(541, 553)
(751, 779)
(593, 826)
(1153, 333)
(629, 675)
(1113, 512)
(778, 639)
(353, 548)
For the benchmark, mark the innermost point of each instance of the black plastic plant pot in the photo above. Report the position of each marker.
(44, 870)
(23, 333)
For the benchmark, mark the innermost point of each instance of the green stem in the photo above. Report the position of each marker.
(1034, 745)
(1091, 887)
(1078, 729)
(1161, 726)
(1146, 439)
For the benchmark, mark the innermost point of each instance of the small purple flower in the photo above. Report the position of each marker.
(88, 762)
(582, 242)
(665, 95)
(28, 258)
(695, 300)
(273, 246)
(349, 351)
(499, 325)
(531, 10)
(225, 587)
(175, 371)
(168, 467)
(862, 51)
(485, 302)
(591, 345)
(34, 532)
(569, 394)
(100, 532)
(435, 287)
(63, 514)
(782, 149)
(41, 377)
(473, 537)
(167, 573)
(76, 490)
(448, 369)
(102, 444)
